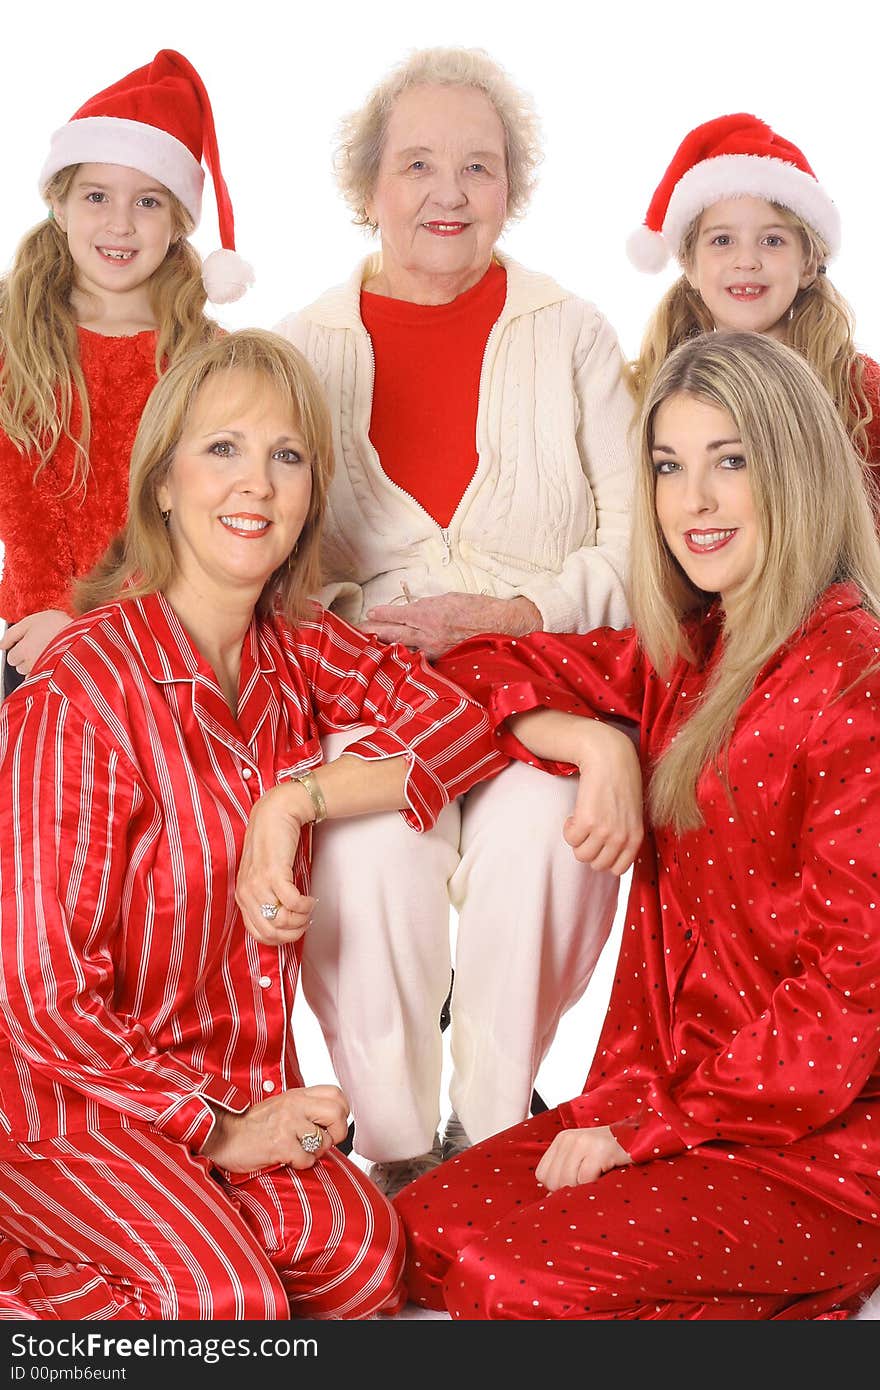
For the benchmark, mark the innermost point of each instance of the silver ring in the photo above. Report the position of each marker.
(269, 911)
(312, 1142)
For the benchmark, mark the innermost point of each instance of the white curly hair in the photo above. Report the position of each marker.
(362, 133)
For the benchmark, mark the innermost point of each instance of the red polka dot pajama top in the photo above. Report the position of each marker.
(738, 1063)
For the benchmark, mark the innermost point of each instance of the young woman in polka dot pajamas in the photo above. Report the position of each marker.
(724, 1159)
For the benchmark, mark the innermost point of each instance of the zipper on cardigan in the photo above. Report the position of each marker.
(494, 332)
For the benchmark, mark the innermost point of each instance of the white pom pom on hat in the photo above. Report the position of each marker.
(226, 276)
(733, 156)
(647, 250)
(158, 119)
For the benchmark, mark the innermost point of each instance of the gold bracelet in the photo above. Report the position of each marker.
(316, 796)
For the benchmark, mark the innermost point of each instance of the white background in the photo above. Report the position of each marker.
(616, 85)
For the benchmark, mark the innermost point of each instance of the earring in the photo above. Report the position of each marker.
(166, 516)
(291, 559)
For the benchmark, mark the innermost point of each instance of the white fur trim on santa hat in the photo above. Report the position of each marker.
(113, 140)
(647, 250)
(226, 276)
(750, 176)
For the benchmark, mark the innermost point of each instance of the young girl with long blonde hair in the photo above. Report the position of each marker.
(754, 230)
(723, 1159)
(103, 294)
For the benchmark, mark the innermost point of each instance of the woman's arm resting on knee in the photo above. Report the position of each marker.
(579, 1156)
(269, 1133)
(606, 827)
(350, 786)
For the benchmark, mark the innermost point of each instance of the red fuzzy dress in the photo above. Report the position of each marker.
(55, 533)
(871, 388)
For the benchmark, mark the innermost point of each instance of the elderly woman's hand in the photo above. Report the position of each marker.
(433, 625)
(265, 873)
(579, 1156)
(271, 1132)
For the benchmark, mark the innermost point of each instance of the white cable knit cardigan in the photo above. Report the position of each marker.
(546, 514)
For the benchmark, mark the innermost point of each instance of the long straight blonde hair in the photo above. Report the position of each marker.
(141, 559)
(41, 376)
(815, 528)
(820, 329)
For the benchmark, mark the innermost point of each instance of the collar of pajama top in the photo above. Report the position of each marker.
(745, 1007)
(125, 789)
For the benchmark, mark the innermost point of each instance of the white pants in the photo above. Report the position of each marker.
(376, 963)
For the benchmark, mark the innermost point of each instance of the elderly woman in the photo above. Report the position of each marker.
(483, 475)
(160, 1156)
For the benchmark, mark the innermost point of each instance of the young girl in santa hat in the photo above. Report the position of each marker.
(103, 295)
(753, 230)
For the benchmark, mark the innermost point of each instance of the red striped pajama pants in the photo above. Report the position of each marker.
(699, 1235)
(126, 1224)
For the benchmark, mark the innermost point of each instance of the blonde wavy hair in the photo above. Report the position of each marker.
(820, 329)
(141, 559)
(815, 528)
(362, 133)
(41, 376)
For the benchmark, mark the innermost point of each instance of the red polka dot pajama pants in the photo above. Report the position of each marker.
(699, 1235)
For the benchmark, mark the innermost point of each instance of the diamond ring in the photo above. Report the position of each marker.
(269, 911)
(312, 1142)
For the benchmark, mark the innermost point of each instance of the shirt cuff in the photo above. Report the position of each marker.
(425, 795)
(648, 1136)
(559, 611)
(190, 1118)
(521, 697)
(641, 1131)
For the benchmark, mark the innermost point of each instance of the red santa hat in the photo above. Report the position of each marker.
(731, 157)
(158, 119)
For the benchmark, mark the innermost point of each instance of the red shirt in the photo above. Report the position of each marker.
(130, 990)
(428, 362)
(53, 533)
(745, 1007)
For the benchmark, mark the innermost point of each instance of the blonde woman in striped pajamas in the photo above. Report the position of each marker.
(160, 1156)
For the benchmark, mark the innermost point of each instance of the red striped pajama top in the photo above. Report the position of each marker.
(130, 990)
